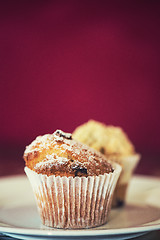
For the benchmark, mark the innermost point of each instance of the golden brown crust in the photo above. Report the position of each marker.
(109, 140)
(58, 154)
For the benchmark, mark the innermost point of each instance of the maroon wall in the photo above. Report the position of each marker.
(62, 63)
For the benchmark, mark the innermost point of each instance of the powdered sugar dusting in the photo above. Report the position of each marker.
(40, 143)
(52, 160)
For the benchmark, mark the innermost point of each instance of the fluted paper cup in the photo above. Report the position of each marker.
(128, 164)
(74, 202)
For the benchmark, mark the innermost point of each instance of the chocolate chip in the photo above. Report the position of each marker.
(120, 203)
(60, 133)
(79, 170)
(75, 166)
(102, 150)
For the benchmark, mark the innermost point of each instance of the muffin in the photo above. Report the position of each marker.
(114, 143)
(73, 184)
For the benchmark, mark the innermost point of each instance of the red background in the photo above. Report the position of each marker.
(64, 62)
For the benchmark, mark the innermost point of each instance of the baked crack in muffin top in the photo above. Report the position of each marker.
(60, 155)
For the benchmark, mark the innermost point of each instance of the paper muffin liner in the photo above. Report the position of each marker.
(74, 202)
(128, 164)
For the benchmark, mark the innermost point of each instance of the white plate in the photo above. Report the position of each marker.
(19, 217)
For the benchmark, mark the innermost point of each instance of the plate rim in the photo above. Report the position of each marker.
(80, 232)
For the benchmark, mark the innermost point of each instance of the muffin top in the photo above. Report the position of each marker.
(60, 155)
(109, 140)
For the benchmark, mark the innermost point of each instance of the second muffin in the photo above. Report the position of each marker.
(114, 143)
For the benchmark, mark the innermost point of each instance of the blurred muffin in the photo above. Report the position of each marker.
(73, 184)
(116, 146)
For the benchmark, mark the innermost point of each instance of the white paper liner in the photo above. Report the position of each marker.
(79, 202)
(128, 164)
